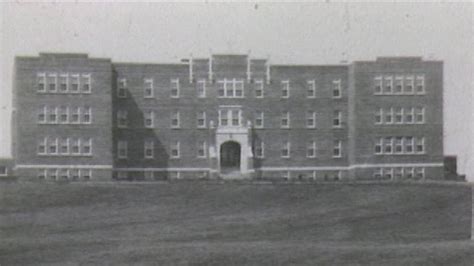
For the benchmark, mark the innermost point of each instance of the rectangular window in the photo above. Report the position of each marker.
(41, 82)
(378, 85)
(42, 114)
(122, 88)
(235, 115)
(64, 147)
(122, 118)
(285, 149)
(149, 119)
(388, 145)
(409, 172)
(239, 88)
(53, 146)
(378, 146)
(398, 145)
(221, 88)
(42, 173)
(378, 173)
(76, 147)
(259, 149)
(175, 88)
(86, 174)
(311, 89)
(230, 88)
(53, 115)
(389, 116)
(223, 118)
(285, 89)
(148, 90)
(74, 174)
(420, 115)
(201, 88)
(75, 83)
(420, 145)
(201, 119)
(175, 120)
(310, 119)
(64, 174)
(399, 115)
(42, 146)
(398, 173)
(409, 84)
(87, 147)
(86, 83)
(388, 88)
(409, 115)
(259, 89)
(149, 147)
(311, 149)
(285, 120)
(379, 116)
(259, 120)
(87, 115)
(122, 149)
(337, 149)
(419, 172)
(202, 148)
(388, 173)
(409, 145)
(63, 114)
(175, 153)
(420, 84)
(52, 82)
(336, 89)
(63, 83)
(337, 117)
(53, 174)
(75, 115)
(398, 85)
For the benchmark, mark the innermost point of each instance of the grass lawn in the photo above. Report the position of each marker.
(207, 223)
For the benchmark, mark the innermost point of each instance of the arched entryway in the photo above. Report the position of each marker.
(230, 157)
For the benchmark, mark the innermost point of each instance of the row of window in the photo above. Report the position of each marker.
(399, 172)
(226, 88)
(65, 174)
(64, 115)
(228, 117)
(399, 145)
(202, 147)
(64, 83)
(399, 85)
(399, 115)
(65, 146)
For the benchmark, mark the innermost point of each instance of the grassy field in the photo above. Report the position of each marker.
(205, 223)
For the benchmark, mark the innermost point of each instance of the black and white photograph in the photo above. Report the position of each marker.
(236, 133)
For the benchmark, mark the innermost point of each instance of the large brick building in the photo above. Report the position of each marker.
(227, 116)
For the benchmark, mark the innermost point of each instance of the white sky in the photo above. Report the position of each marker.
(307, 33)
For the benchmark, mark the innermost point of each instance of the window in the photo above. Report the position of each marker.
(388, 88)
(74, 174)
(311, 90)
(76, 113)
(122, 149)
(336, 89)
(399, 115)
(378, 173)
(175, 120)
(41, 82)
(337, 149)
(122, 118)
(76, 147)
(87, 147)
(398, 173)
(149, 119)
(148, 90)
(53, 146)
(420, 115)
(175, 153)
(311, 119)
(285, 120)
(388, 145)
(259, 120)
(175, 88)
(398, 85)
(259, 149)
(86, 83)
(398, 145)
(201, 151)
(285, 149)
(63, 83)
(230, 117)
(311, 149)
(259, 89)
(149, 149)
(378, 146)
(388, 173)
(201, 88)
(409, 145)
(239, 88)
(86, 174)
(420, 85)
(42, 146)
(75, 83)
(63, 115)
(52, 80)
(409, 114)
(122, 88)
(53, 115)
(336, 122)
(389, 116)
(378, 116)
(64, 174)
(378, 85)
(201, 119)
(223, 118)
(42, 114)
(409, 172)
(285, 89)
(420, 145)
(420, 172)
(53, 174)
(409, 84)
(64, 147)
(230, 88)
(41, 173)
(175, 175)
(87, 115)
(235, 116)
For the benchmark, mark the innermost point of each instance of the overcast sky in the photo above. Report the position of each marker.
(309, 33)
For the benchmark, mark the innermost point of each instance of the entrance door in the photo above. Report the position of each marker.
(230, 156)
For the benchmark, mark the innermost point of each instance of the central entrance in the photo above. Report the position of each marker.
(230, 157)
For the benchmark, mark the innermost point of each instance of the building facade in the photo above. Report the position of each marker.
(227, 116)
